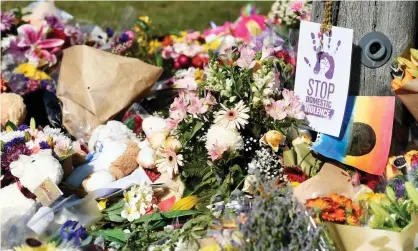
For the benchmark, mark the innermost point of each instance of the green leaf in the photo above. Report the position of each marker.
(204, 183)
(112, 235)
(412, 193)
(1, 145)
(114, 218)
(130, 122)
(166, 215)
(114, 207)
(27, 136)
(196, 128)
(11, 125)
(158, 59)
(32, 124)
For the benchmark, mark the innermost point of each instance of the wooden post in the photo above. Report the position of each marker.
(398, 20)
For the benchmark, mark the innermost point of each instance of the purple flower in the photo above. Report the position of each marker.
(6, 20)
(44, 145)
(398, 184)
(75, 34)
(54, 23)
(109, 32)
(123, 38)
(70, 232)
(13, 142)
(12, 154)
(23, 127)
(48, 85)
(18, 84)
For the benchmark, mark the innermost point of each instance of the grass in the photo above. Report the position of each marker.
(165, 15)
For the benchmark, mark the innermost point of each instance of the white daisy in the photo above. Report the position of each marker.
(233, 118)
(169, 161)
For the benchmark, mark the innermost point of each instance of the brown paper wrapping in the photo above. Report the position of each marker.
(353, 238)
(330, 179)
(95, 85)
(408, 94)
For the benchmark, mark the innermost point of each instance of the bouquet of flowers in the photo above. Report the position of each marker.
(234, 122)
(180, 51)
(29, 52)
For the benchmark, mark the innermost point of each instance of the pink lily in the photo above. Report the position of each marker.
(195, 105)
(178, 109)
(246, 59)
(295, 110)
(277, 110)
(36, 44)
(216, 152)
(206, 102)
(172, 124)
(289, 97)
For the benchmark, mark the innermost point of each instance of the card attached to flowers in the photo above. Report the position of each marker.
(323, 75)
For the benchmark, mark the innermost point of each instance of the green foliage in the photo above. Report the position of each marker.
(112, 235)
(11, 125)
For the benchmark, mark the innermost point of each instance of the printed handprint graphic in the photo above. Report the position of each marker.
(325, 57)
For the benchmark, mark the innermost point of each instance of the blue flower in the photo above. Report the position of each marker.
(23, 127)
(13, 142)
(109, 32)
(70, 232)
(44, 145)
(123, 38)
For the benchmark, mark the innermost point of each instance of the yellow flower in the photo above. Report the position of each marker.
(379, 198)
(198, 75)
(102, 204)
(30, 71)
(273, 138)
(44, 247)
(177, 39)
(212, 247)
(294, 184)
(145, 19)
(183, 34)
(213, 45)
(153, 46)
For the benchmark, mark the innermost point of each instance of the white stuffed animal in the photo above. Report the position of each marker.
(31, 171)
(114, 130)
(156, 133)
(115, 148)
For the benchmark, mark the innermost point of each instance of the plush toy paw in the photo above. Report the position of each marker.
(13, 109)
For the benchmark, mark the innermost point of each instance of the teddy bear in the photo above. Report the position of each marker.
(31, 171)
(13, 109)
(157, 136)
(113, 149)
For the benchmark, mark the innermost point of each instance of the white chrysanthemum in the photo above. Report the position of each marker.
(137, 200)
(52, 132)
(9, 136)
(233, 118)
(168, 161)
(223, 138)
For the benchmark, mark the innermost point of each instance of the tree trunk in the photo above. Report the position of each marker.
(399, 22)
